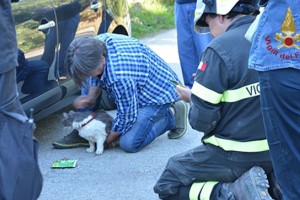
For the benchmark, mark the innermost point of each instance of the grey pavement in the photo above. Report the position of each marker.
(114, 175)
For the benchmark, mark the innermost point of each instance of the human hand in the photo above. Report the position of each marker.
(89, 100)
(184, 93)
(111, 138)
(82, 102)
(194, 75)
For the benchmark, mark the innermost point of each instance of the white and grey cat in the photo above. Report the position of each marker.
(92, 126)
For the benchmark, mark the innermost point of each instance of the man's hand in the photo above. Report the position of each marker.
(87, 100)
(184, 93)
(82, 102)
(111, 138)
(194, 75)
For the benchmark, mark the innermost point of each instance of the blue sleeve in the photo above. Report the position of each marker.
(90, 82)
(126, 99)
(205, 114)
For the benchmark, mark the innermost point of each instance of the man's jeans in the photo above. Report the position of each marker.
(190, 44)
(152, 121)
(280, 101)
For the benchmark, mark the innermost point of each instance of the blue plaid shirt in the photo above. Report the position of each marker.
(135, 76)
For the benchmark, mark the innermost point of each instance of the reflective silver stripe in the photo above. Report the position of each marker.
(213, 97)
(231, 145)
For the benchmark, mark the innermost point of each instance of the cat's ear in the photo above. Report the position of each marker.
(66, 116)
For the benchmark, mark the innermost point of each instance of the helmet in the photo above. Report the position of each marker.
(221, 7)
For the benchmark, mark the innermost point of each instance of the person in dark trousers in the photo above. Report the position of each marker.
(190, 43)
(68, 18)
(66, 33)
(275, 55)
(234, 159)
(20, 176)
(34, 74)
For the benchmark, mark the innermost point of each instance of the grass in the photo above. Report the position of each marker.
(151, 16)
(147, 17)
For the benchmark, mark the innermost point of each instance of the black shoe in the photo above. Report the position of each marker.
(180, 108)
(274, 190)
(252, 185)
(71, 140)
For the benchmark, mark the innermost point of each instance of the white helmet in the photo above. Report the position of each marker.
(221, 7)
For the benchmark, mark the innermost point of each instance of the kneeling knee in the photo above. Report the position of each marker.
(129, 147)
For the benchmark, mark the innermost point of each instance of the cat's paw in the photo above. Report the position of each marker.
(90, 150)
(99, 151)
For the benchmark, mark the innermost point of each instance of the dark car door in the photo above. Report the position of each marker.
(45, 28)
(34, 75)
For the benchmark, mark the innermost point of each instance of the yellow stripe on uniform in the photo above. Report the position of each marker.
(195, 190)
(230, 145)
(202, 190)
(207, 190)
(206, 94)
(213, 97)
(245, 92)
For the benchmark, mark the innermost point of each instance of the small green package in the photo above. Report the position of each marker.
(65, 163)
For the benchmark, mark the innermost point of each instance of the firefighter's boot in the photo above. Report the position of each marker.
(252, 185)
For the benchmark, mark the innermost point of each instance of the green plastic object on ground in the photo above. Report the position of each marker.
(64, 164)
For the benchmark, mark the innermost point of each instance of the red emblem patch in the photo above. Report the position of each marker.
(202, 66)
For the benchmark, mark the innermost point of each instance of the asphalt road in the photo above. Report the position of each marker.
(114, 175)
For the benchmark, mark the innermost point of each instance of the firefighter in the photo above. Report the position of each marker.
(20, 175)
(275, 55)
(234, 159)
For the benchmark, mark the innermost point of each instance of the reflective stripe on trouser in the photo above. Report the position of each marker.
(231, 145)
(201, 190)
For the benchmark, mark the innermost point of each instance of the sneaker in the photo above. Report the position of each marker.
(252, 185)
(180, 108)
(71, 140)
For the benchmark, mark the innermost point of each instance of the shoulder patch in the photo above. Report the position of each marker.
(202, 66)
